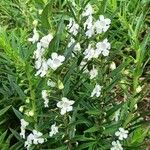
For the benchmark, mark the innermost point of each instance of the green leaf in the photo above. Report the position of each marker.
(18, 114)
(4, 110)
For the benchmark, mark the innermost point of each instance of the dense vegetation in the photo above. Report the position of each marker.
(74, 74)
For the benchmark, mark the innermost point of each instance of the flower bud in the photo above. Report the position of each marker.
(31, 113)
(113, 66)
(21, 108)
(139, 89)
(60, 85)
(35, 22)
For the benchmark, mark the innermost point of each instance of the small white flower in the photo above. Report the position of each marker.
(96, 91)
(73, 26)
(102, 24)
(55, 61)
(54, 130)
(89, 52)
(34, 138)
(51, 83)
(43, 69)
(87, 11)
(35, 36)
(93, 73)
(46, 40)
(39, 51)
(122, 134)
(103, 47)
(23, 126)
(90, 32)
(65, 105)
(88, 23)
(45, 97)
(116, 145)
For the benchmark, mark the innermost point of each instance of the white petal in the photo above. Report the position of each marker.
(60, 104)
(54, 55)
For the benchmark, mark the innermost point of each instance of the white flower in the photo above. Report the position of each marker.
(46, 40)
(87, 11)
(73, 26)
(122, 134)
(39, 51)
(96, 91)
(116, 145)
(34, 138)
(102, 24)
(88, 23)
(51, 83)
(45, 97)
(55, 61)
(65, 105)
(103, 47)
(89, 53)
(23, 126)
(54, 130)
(90, 32)
(43, 69)
(35, 36)
(93, 73)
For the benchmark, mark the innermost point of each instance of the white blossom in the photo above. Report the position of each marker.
(54, 130)
(103, 47)
(88, 23)
(35, 36)
(89, 53)
(116, 145)
(34, 138)
(43, 69)
(90, 32)
(122, 134)
(23, 127)
(45, 97)
(102, 24)
(93, 73)
(65, 105)
(87, 11)
(55, 61)
(73, 26)
(45, 40)
(96, 91)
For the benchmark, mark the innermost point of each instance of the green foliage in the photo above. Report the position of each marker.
(91, 125)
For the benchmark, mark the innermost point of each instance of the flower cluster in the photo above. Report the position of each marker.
(91, 51)
(101, 25)
(121, 134)
(41, 63)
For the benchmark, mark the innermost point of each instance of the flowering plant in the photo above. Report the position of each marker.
(76, 91)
